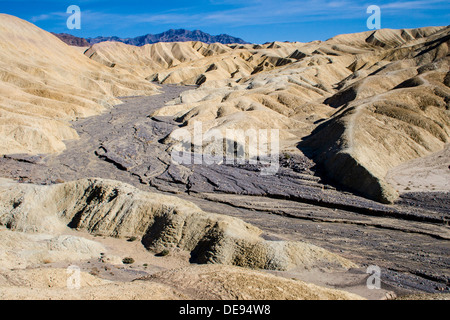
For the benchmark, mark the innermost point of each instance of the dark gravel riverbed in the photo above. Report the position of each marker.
(409, 240)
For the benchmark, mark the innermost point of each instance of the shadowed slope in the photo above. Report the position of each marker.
(397, 113)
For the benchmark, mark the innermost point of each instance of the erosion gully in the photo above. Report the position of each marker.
(408, 240)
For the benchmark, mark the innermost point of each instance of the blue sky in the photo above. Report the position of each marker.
(255, 21)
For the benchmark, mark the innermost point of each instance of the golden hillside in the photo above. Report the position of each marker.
(44, 84)
(359, 104)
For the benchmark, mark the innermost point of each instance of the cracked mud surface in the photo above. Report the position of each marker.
(408, 240)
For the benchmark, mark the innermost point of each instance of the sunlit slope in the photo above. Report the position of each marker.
(393, 108)
(44, 83)
(193, 62)
(356, 105)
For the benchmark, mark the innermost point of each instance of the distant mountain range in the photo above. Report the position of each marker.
(72, 40)
(179, 35)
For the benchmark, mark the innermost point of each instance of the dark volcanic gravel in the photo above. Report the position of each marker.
(410, 240)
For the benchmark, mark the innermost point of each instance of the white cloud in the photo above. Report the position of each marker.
(250, 12)
(421, 4)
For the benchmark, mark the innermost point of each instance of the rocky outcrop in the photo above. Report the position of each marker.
(115, 209)
(72, 40)
(19, 250)
(212, 282)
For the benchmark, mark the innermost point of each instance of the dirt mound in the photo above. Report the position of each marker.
(428, 174)
(384, 38)
(192, 283)
(113, 291)
(44, 278)
(22, 250)
(232, 283)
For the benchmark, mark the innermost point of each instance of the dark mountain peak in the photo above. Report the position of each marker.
(72, 40)
(172, 35)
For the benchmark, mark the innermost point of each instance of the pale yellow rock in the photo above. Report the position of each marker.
(23, 250)
(45, 83)
(44, 278)
(209, 282)
(115, 209)
(358, 104)
(232, 283)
